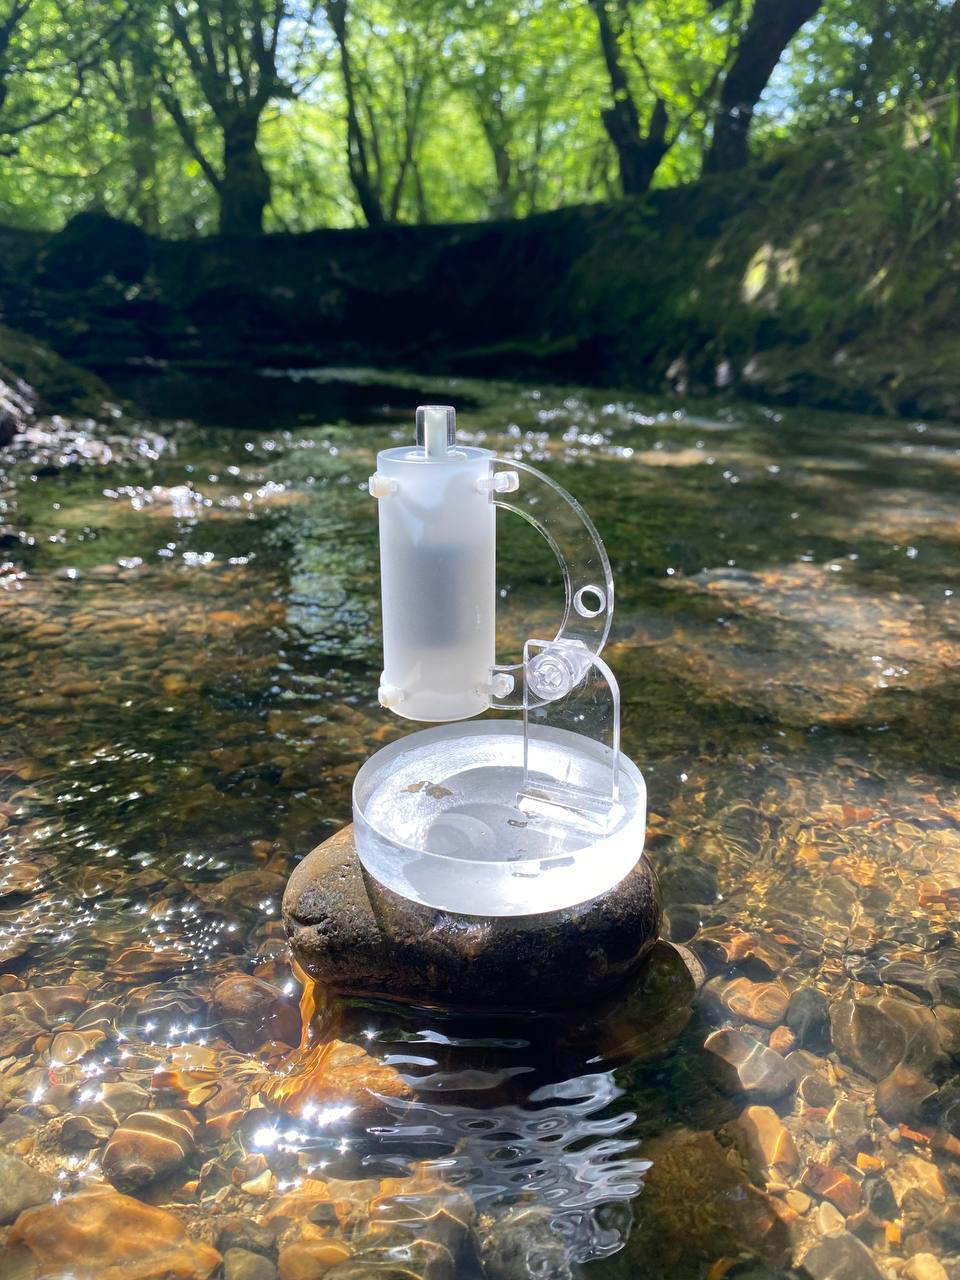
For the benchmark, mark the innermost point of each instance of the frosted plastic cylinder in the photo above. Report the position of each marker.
(438, 576)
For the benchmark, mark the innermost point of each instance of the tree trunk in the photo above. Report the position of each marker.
(141, 126)
(638, 154)
(771, 27)
(504, 201)
(244, 189)
(368, 196)
(142, 133)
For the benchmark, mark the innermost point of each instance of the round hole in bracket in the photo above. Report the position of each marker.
(590, 601)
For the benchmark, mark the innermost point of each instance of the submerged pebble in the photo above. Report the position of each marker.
(148, 1146)
(22, 1187)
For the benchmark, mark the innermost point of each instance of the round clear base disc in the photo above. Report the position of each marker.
(437, 819)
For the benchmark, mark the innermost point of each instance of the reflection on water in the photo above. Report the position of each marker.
(189, 657)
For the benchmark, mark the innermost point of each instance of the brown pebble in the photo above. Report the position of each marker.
(253, 1012)
(310, 1258)
(767, 1139)
(110, 1235)
(833, 1184)
(924, 1266)
(148, 1145)
(782, 1040)
(71, 1046)
(798, 1201)
(261, 1185)
(19, 877)
(140, 961)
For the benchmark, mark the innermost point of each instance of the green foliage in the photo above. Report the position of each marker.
(464, 109)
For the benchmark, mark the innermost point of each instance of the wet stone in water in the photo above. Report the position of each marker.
(808, 1017)
(766, 1140)
(109, 1234)
(148, 1146)
(253, 1012)
(241, 1264)
(903, 1095)
(764, 1003)
(21, 1187)
(758, 1069)
(361, 939)
(841, 1257)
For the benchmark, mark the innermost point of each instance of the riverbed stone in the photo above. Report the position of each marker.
(105, 1235)
(757, 1070)
(698, 1205)
(242, 1264)
(357, 937)
(808, 1017)
(766, 1140)
(840, 1257)
(21, 1187)
(924, 1266)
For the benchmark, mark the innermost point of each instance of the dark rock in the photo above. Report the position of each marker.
(687, 883)
(816, 1090)
(241, 1264)
(879, 1198)
(34, 379)
(681, 922)
(808, 1017)
(759, 1071)
(903, 1094)
(914, 978)
(245, 1236)
(699, 1205)
(21, 1187)
(640, 1021)
(945, 1227)
(874, 1036)
(841, 1257)
(359, 938)
(848, 1124)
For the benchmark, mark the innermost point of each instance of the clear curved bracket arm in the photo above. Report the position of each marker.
(587, 579)
(570, 691)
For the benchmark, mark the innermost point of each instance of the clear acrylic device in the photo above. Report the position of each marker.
(499, 817)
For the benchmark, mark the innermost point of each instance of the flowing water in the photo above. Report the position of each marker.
(189, 653)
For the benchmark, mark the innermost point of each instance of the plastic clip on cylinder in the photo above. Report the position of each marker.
(438, 573)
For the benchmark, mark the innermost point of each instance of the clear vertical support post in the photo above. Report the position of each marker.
(569, 689)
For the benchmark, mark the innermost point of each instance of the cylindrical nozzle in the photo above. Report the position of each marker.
(436, 428)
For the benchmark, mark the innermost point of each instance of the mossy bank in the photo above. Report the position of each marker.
(824, 279)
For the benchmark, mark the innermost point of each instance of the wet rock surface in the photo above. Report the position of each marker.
(112, 1236)
(21, 1187)
(362, 939)
(700, 1205)
(760, 1071)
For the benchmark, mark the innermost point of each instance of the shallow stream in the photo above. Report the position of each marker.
(189, 655)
